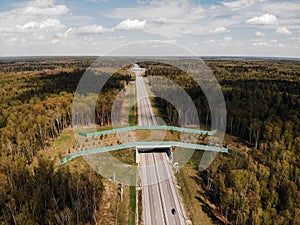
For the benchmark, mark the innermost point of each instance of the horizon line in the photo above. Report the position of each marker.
(149, 56)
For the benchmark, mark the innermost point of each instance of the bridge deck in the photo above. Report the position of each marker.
(132, 128)
(145, 144)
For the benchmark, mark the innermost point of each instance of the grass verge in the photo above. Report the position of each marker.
(133, 116)
(132, 205)
(125, 155)
(191, 192)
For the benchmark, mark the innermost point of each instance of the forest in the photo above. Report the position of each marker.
(263, 110)
(36, 97)
(263, 106)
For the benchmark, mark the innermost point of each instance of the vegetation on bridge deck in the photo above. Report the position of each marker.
(132, 128)
(148, 144)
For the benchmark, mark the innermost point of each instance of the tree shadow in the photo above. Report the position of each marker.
(207, 193)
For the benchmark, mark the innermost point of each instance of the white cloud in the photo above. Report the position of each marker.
(227, 39)
(266, 19)
(39, 25)
(54, 41)
(283, 8)
(268, 43)
(11, 40)
(34, 15)
(90, 29)
(172, 41)
(173, 10)
(49, 23)
(44, 8)
(161, 21)
(40, 3)
(259, 34)
(219, 30)
(283, 30)
(32, 25)
(177, 18)
(98, 29)
(129, 24)
(260, 43)
(223, 42)
(297, 39)
(53, 11)
(240, 3)
(197, 12)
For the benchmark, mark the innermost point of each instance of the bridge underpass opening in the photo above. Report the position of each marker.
(149, 149)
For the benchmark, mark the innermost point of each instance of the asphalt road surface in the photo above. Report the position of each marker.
(160, 195)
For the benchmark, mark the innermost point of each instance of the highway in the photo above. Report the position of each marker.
(160, 195)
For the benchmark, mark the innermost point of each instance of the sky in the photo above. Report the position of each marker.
(99, 27)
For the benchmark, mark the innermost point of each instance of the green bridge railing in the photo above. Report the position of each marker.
(132, 128)
(145, 144)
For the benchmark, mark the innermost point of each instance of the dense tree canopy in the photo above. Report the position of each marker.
(263, 106)
(46, 196)
(36, 96)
